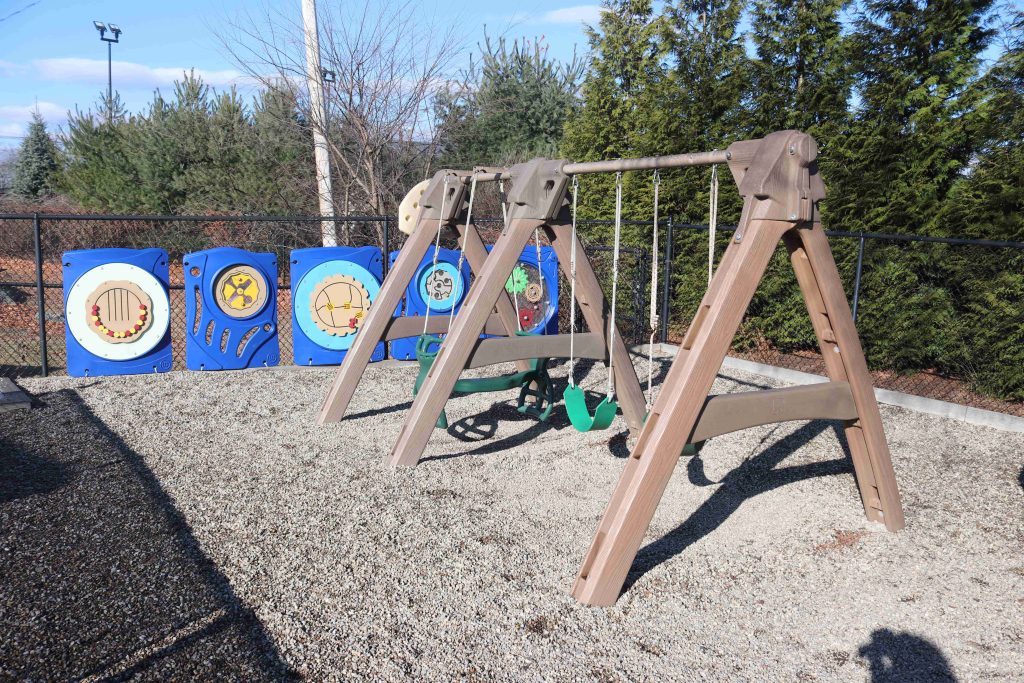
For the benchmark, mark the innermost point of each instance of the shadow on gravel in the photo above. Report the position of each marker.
(755, 476)
(1020, 478)
(102, 577)
(904, 658)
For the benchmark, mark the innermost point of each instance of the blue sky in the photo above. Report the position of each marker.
(51, 56)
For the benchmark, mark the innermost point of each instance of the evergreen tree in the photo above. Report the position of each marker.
(916, 62)
(800, 77)
(37, 162)
(625, 82)
(511, 107)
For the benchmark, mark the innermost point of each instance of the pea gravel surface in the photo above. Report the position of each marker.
(196, 526)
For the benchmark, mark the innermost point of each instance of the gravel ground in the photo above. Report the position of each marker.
(191, 525)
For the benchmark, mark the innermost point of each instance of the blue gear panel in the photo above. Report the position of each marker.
(230, 309)
(117, 312)
(534, 291)
(332, 290)
(442, 288)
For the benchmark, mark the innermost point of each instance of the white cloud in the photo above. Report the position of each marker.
(14, 118)
(128, 74)
(13, 130)
(588, 14)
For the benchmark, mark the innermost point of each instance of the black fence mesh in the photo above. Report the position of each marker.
(938, 319)
(941, 320)
(20, 333)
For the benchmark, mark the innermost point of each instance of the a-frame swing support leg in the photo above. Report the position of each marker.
(393, 288)
(677, 408)
(454, 354)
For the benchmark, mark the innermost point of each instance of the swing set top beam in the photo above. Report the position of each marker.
(615, 165)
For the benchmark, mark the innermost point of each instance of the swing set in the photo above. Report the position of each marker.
(778, 179)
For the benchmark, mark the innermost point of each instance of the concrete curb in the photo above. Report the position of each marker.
(928, 406)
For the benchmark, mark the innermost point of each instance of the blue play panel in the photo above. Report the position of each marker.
(230, 309)
(332, 291)
(533, 287)
(117, 312)
(442, 287)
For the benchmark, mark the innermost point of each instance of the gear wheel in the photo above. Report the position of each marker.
(517, 281)
(534, 292)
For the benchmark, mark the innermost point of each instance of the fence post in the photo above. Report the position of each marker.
(667, 276)
(40, 294)
(856, 277)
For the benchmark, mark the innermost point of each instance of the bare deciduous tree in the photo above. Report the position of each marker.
(388, 62)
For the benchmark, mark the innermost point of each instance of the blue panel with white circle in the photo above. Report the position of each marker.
(116, 312)
(332, 291)
(441, 286)
(230, 309)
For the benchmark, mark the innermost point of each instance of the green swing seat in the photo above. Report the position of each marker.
(536, 392)
(579, 414)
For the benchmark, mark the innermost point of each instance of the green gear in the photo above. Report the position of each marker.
(517, 281)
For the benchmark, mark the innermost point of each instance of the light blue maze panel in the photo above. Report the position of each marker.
(230, 310)
(333, 289)
(533, 287)
(442, 287)
(117, 312)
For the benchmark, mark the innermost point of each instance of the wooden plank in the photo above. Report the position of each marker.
(454, 354)
(727, 413)
(12, 397)
(506, 349)
(868, 432)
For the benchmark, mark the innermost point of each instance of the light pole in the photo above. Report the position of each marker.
(110, 71)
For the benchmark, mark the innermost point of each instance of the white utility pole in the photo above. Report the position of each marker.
(318, 113)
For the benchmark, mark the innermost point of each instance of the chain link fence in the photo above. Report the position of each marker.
(939, 317)
(31, 287)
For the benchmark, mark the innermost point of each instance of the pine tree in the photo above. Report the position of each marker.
(511, 107)
(625, 81)
(800, 77)
(915, 62)
(36, 165)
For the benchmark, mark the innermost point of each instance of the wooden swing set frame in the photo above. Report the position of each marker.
(778, 179)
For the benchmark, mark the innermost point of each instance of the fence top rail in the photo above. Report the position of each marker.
(199, 219)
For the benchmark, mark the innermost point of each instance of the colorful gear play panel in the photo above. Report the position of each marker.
(442, 286)
(117, 311)
(333, 289)
(339, 305)
(241, 291)
(230, 309)
(533, 288)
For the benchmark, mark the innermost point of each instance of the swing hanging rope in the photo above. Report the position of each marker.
(653, 314)
(615, 285)
(572, 286)
(437, 246)
(712, 221)
(462, 247)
